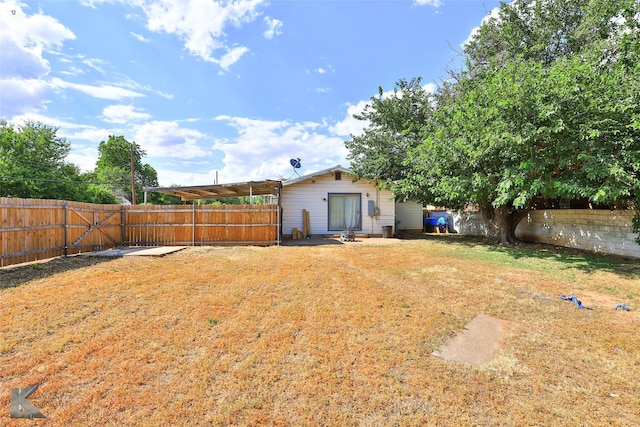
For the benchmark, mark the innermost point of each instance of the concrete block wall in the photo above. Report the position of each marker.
(469, 223)
(600, 231)
(595, 230)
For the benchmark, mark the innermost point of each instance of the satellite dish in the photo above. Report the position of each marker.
(295, 163)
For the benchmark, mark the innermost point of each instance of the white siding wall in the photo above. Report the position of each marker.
(312, 195)
(409, 216)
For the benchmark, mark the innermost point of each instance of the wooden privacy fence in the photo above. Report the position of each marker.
(193, 225)
(32, 229)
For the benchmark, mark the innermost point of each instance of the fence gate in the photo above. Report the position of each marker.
(92, 227)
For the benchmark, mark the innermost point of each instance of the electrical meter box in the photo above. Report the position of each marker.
(372, 209)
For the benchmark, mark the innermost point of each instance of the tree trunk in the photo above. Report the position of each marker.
(501, 224)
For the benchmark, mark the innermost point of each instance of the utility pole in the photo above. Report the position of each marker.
(133, 183)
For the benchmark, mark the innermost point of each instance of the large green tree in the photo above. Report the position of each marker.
(33, 165)
(118, 158)
(546, 108)
(395, 121)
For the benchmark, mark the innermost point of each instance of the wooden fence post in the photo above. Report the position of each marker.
(64, 228)
(122, 225)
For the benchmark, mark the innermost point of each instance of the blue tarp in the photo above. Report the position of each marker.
(576, 301)
(622, 307)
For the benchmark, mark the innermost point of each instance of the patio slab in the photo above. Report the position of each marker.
(478, 342)
(138, 251)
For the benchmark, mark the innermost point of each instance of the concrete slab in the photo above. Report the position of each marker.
(138, 251)
(318, 241)
(478, 342)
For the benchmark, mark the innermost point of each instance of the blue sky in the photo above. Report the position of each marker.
(238, 87)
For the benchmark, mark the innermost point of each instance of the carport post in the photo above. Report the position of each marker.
(279, 214)
(193, 228)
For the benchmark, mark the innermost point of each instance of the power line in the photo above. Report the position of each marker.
(18, 178)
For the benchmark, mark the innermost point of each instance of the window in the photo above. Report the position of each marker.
(345, 211)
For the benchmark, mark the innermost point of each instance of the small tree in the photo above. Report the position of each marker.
(114, 168)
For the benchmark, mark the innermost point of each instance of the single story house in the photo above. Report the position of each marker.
(335, 201)
(332, 198)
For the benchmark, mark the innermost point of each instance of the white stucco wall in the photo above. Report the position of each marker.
(312, 195)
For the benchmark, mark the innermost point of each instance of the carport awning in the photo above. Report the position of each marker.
(237, 189)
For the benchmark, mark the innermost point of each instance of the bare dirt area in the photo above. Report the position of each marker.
(329, 334)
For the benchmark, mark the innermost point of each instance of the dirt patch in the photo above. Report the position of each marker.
(139, 251)
(17, 275)
(478, 342)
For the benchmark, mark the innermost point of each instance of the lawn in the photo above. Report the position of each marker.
(321, 335)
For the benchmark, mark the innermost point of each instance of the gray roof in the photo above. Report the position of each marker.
(333, 169)
(221, 190)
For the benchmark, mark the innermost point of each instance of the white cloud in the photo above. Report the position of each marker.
(493, 13)
(35, 32)
(90, 133)
(231, 57)
(349, 125)
(200, 24)
(322, 70)
(18, 96)
(352, 126)
(23, 41)
(95, 64)
(113, 93)
(72, 71)
(123, 114)
(51, 121)
(168, 139)
(434, 3)
(274, 27)
(168, 177)
(430, 87)
(85, 158)
(140, 38)
(67, 129)
(17, 61)
(263, 148)
(164, 95)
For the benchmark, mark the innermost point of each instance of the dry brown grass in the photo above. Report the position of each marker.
(325, 335)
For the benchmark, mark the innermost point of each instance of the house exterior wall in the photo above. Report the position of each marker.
(312, 195)
(408, 216)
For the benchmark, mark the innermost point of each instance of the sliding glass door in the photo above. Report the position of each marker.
(345, 211)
